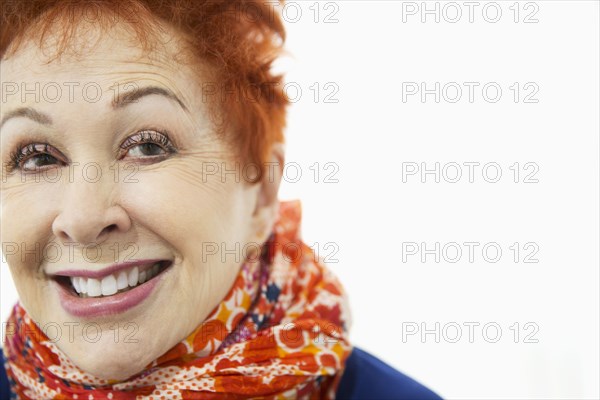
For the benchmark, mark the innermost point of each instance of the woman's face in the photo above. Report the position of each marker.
(99, 198)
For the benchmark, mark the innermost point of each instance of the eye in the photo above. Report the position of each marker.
(148, 143)
(145, 149)
(34, 157)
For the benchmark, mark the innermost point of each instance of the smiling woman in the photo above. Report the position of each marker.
(149, 259)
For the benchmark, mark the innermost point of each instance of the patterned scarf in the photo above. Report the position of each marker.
(281, 332)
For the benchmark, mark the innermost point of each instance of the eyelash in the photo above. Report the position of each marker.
(160, 138)
(24, 152)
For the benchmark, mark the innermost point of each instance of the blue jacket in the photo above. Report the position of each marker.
(365, 377)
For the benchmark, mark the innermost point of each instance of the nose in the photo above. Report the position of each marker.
(89, 214)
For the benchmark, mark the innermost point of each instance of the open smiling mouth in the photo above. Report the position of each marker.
(118, 282)
(93, 293)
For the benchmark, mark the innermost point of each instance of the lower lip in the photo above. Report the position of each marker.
(89, 307)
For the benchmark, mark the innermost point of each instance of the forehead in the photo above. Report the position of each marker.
(97, 64)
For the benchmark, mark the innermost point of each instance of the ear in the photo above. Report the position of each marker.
(267, 202)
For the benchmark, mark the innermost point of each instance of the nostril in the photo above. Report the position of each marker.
(108, 229)
(64, 236)
(83, 226)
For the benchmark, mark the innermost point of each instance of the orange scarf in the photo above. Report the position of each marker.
(281, 332)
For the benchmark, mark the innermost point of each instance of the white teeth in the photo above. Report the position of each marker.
(142, 277)
(75, 282)
(122, 281)
(83, 285)
(109, 285)
(133, 277)
(94, 289)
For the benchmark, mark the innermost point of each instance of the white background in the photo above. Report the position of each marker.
(370, 133)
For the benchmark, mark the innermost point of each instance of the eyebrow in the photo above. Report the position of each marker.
(27, 112)
(135, 95)
(122, 101)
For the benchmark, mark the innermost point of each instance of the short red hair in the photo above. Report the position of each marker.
(238, 39)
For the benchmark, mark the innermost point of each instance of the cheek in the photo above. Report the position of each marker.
(28, 211)
(184, 208)
(26, 229)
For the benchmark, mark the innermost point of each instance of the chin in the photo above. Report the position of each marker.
(112, 361)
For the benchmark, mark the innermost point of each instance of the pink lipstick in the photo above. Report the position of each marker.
(112, 290)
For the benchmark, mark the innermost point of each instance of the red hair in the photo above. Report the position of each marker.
(238, 39)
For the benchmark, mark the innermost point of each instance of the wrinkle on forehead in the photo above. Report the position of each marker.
(109, 43)
(113, 56)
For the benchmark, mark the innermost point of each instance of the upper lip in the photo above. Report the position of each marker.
(111, 269)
